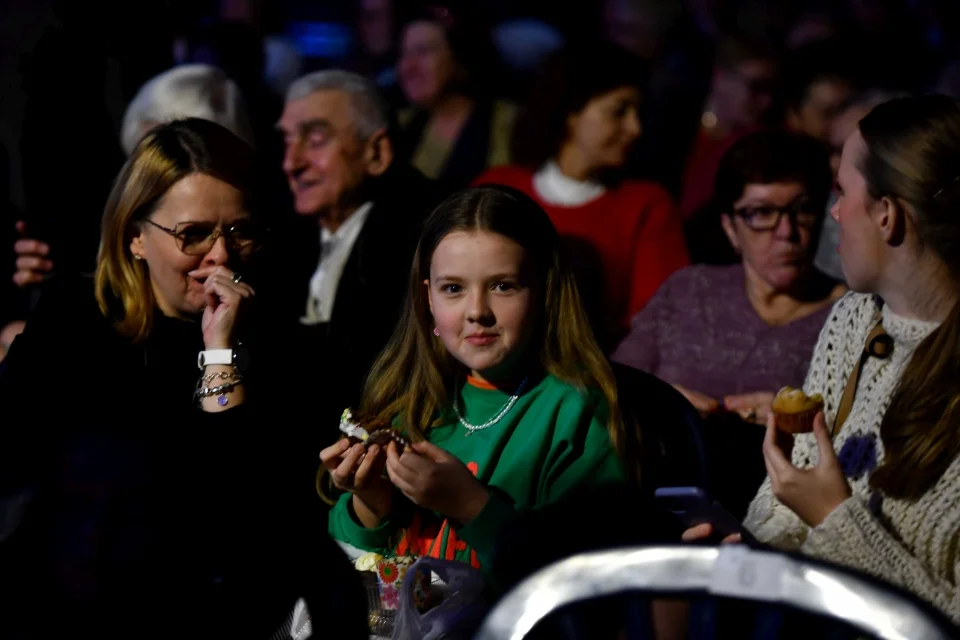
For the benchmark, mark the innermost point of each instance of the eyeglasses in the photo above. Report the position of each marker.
(197, 238)
(768, 218)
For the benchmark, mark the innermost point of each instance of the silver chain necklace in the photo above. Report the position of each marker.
(471, 428)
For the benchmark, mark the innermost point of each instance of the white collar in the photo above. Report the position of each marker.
(351, 226)
(558, 189)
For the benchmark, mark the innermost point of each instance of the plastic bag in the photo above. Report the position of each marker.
(459, 614)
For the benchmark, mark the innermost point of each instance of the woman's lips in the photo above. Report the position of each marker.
(482, 339)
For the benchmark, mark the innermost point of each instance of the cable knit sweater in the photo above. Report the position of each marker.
(912, 544)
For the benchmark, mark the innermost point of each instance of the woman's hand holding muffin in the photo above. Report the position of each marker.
(812, 493)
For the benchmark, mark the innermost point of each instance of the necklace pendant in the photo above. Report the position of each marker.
(468, 433)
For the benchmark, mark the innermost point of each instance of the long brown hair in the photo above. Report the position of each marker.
(913, 156)
(415, 375)
(165, 156)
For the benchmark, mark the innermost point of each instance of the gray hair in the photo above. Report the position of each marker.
(186, 91)
(370, 112)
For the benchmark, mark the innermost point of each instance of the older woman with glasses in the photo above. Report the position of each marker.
(159, 500)
(729, 337)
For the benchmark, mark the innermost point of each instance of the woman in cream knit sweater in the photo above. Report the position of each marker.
(882, 495)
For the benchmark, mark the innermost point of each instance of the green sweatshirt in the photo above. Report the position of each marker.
(552, 441)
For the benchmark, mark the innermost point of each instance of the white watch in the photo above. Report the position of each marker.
(215, 356)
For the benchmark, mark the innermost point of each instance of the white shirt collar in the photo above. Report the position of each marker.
(335, 249)
(558, 189)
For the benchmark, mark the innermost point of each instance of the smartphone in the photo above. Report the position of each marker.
(694, 507)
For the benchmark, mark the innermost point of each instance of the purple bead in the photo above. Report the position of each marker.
(222, 401)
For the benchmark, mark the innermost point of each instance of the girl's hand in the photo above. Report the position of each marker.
(704, 531)
(226, 300)
(814, 493)
(359, 470)
(752, 407)
(436, 480)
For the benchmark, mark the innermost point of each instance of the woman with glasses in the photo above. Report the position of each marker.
(729, 337)
(158, 496)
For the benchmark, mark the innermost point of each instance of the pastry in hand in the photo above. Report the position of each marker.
(373, 433)
(795, 410)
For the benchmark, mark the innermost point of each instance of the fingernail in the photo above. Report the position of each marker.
(374, 449)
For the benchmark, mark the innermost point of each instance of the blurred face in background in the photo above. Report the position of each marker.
(638, 25)
(842, 128)
(376, 26)
(427, 65)
(743, 95)
(773, 227)
(821, 106)
(325, 160)
(603, 132)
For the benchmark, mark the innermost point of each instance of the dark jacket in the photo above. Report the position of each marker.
(471, 152)
(336, 356)
(148, 513)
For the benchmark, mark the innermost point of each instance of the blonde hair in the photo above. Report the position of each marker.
(165, 156)
(415, 375)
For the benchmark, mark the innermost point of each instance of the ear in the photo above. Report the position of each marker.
(426, 285)
(890, 216)
(729, 228)
(379, 153)
(136, 245)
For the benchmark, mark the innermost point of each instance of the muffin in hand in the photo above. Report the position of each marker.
(795, 410)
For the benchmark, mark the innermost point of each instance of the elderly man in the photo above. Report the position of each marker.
(359, 214)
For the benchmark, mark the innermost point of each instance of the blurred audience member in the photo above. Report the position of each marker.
(187, 91)
(817, 84)
(678, 56)
(640, 26)
(142, 500)
(344, 270)
(827, 259)
(729, 337)
(455, 129)
(740, 99)
(573, 142)
(377, 39)
(236, 47)
(817, 22)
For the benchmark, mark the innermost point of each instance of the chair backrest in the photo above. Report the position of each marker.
(731, 572)
(675, 455)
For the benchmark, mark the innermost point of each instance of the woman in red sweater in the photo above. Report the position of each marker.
(572, 144)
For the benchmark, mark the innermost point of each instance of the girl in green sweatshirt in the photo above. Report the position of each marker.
(494, 376)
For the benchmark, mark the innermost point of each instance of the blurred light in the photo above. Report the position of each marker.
(321, 39)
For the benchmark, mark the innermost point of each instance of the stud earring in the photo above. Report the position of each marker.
(137, 256)
(436, 331)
